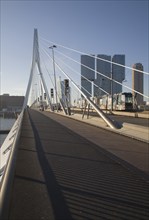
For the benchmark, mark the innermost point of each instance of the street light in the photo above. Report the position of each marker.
(52, 47)
(36, 93)
(111, 90)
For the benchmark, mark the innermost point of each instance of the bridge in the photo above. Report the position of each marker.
(65, 163)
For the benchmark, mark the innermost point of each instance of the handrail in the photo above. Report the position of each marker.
(8, 155)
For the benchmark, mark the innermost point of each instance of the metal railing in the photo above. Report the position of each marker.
(8, 154)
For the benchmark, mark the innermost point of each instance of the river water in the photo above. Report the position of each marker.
(5, 124)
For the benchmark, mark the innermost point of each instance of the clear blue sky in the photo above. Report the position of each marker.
(95, 27)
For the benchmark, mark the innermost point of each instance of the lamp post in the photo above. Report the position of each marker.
(111, 90)
(52, 47)
(36, 93)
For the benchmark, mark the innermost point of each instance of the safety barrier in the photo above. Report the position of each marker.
(8, 153)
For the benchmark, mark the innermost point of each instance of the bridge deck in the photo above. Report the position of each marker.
(61, 175)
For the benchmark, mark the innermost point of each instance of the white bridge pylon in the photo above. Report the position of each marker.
(36, 61)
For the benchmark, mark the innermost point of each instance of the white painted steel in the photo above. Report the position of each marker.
(6, 147)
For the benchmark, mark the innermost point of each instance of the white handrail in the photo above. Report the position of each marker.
(8, 153)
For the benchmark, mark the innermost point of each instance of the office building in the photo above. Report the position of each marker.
(137, 83)
(11, 103)
(104, 84)
(118, 73)
(87, 74)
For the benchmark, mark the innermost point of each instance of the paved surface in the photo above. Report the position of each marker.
(136, 131)
(129, 143)
(131, 120)
(137, 128)
(62, 175)
(139, 119)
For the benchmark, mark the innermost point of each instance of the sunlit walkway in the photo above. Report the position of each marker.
(61, 175)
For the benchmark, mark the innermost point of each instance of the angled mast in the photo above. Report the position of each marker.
(36, 61)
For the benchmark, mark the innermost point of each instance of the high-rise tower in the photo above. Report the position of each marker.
(118, 73)
(87, 73)
(104, 68)
(137, 83)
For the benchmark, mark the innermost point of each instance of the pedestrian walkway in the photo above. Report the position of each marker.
(124, 145)
(62, 175)
(130, 130)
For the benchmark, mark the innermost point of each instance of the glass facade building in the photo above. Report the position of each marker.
(105, 70)
(118, 73)
(87, 74)
(137, 83)
(103, 82)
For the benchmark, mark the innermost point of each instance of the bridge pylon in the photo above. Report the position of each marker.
(36, 61)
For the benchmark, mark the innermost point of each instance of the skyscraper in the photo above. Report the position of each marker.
(118, 73)
(105, 68)
(103, 82)
(137, 83)
(86, 73)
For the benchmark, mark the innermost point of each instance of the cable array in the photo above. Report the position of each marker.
(97, 72)
(81, 52)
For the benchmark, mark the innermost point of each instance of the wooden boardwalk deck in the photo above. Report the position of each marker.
(61, 175)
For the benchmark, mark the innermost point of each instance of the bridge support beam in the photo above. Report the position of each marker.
(107, 120)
